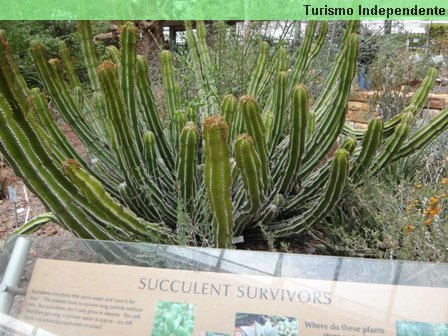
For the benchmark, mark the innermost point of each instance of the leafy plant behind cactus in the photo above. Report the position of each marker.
(242, 167)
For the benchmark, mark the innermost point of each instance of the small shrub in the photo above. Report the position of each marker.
(400, 214)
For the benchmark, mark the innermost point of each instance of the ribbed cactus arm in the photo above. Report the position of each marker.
(417, 102)
(26, 158)
(331, 81)
(393, 145)
(172, 103)
(333, 189)
(299, 67)
(329, 128)
(120, 218)
(315, 182)
(150, 153)
(419, 98)
(249, 165)
(254, 84)
(228, 111)
(202, 45)
(128, 41)
(424, 135)
(279, 109)
(279, 62)
(113, 54)
(66, 58)
(297, 136)
(10, 79)
(179, 121)
(311, 124)
(371, 142)
(318, 43)
(128, 155)
(67, 107)
(186, 171)
(324, 204)
(40, 107)
(168, 82)
(218, 178)
(282, 60)
(150, 112)
(88, 51)
(195, 63)
(206, 66)
(256, 129)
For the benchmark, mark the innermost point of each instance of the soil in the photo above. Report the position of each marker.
(8, 222)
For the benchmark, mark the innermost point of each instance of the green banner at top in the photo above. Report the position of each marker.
(223, 10)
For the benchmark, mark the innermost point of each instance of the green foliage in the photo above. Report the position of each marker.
(21, 34)
(151, 179)
(438, 30)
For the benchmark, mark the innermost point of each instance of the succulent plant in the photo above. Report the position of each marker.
(249, 166)
(173, 319)
(261, 330)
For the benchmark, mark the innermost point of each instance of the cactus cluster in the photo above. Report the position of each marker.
(239, 167)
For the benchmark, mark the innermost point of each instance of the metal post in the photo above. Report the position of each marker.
(13, 273)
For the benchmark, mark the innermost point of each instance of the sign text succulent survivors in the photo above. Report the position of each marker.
(299, 295)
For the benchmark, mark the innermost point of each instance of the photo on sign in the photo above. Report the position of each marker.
(211, 333)
(173, 318)
(259, 324)
(411, 328)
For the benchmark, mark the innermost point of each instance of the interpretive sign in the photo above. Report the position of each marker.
(74, 298)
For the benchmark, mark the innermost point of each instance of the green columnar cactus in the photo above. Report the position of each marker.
(394, 143)
(128, 37)
(278, 109)
(293, 158)
(332, 193)
(113, 54)
(85, 32)
(255, 128)
(189, 140)
(254, 85)
(191, 114)
(228, 110)
(170, 89)
(202, 67)
(282, 60)
(151, 115)
(68, 64)
(218, 178)
(370, 144)
(146, 172)
(150, 154)
(249, 164)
